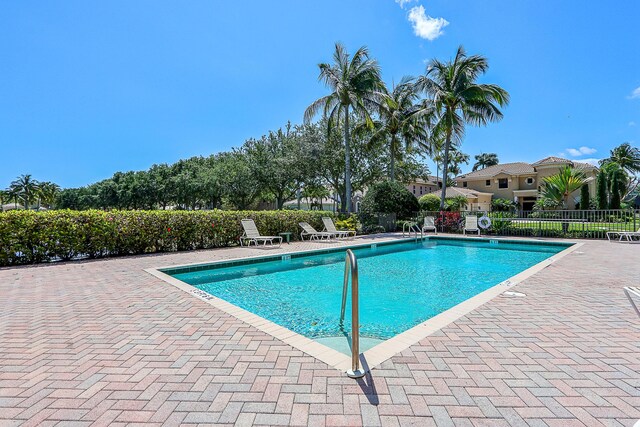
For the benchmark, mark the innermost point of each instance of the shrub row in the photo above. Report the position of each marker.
(28, 237)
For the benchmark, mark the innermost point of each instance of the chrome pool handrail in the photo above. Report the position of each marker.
(351, 267)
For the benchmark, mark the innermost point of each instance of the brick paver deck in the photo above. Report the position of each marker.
(104, 343)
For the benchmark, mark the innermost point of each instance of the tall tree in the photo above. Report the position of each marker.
(355, 85)
(48, 192)
(601, 190)
(457, 100)
(398, 126)
(585, 197)
(280, 162)
(25, 188)
(628, 158)
(484, 160)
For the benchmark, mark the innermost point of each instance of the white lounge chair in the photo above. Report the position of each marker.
(631, 292)
(429, 224)
(330, 227)
(624, 235)
(313, 234)
(471, 224)
(251, 234)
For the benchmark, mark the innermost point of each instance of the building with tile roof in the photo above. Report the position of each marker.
(520, 181)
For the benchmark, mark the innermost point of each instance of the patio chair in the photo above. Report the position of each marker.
(330, 227)
(633, 292)
(251, 234)
(471, 224)
(627, 235)
(308, 230)
(429, 224)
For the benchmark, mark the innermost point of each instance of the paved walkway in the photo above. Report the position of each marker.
(104, 343)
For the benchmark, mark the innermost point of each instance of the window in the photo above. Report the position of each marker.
(530, 180)
(414, 189)
(503, 183)
(488, 183)
(464, 184)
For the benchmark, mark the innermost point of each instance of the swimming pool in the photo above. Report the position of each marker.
(402, 284)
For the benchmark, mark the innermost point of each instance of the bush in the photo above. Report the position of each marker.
(387, 197)
(429, 203)
(449, 221)
(456, 204)
(28, 237)
(503, 205)
(349, 222)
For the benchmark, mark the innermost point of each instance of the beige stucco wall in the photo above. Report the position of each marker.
(420, 189)
(520, 183)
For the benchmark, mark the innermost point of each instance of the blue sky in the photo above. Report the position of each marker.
(90, 88)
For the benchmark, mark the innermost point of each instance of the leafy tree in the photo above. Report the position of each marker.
(387, 197)
(355, 85)
(238, 179)
(559, 187)
(484, 160)
(601, 190)
(279, 163)
(455, 99)
(585, 197)
(429, 202)
(366, 160)
(617, 180)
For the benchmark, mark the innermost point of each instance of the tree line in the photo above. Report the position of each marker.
(296, 161)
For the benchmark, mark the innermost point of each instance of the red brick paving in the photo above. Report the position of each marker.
(104, 343)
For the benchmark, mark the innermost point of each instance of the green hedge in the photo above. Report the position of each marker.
(28, 237)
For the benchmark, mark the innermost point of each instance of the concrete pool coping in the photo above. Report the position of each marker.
(386, 349)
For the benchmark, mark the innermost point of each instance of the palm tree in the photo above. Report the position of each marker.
(398, 122)
(559, 187)
(48, 192)
(457, 100)
(355, 84)
(26, 188)
(626, 156)
(484, 160)
(456, 159)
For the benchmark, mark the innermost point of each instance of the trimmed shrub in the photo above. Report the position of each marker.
(28, 237)
(429, 203)
(388, 197)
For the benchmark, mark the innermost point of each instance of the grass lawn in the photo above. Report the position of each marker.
(576, 225)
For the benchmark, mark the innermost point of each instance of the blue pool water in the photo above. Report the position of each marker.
(401, 284)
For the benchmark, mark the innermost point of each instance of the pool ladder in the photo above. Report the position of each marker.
(414, 228)
(351, 268)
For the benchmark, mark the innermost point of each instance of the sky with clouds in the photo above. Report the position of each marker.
(90, 88)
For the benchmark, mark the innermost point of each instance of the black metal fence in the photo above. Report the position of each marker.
(583, 224)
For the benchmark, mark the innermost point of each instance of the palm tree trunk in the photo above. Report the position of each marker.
(392, 162)
(347, 160)
(445, 167)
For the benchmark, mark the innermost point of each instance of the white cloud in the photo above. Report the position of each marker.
(577, 152)
(634, 94)
(425, 26)
(403, 3)
(632, 123)
(594, 162)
